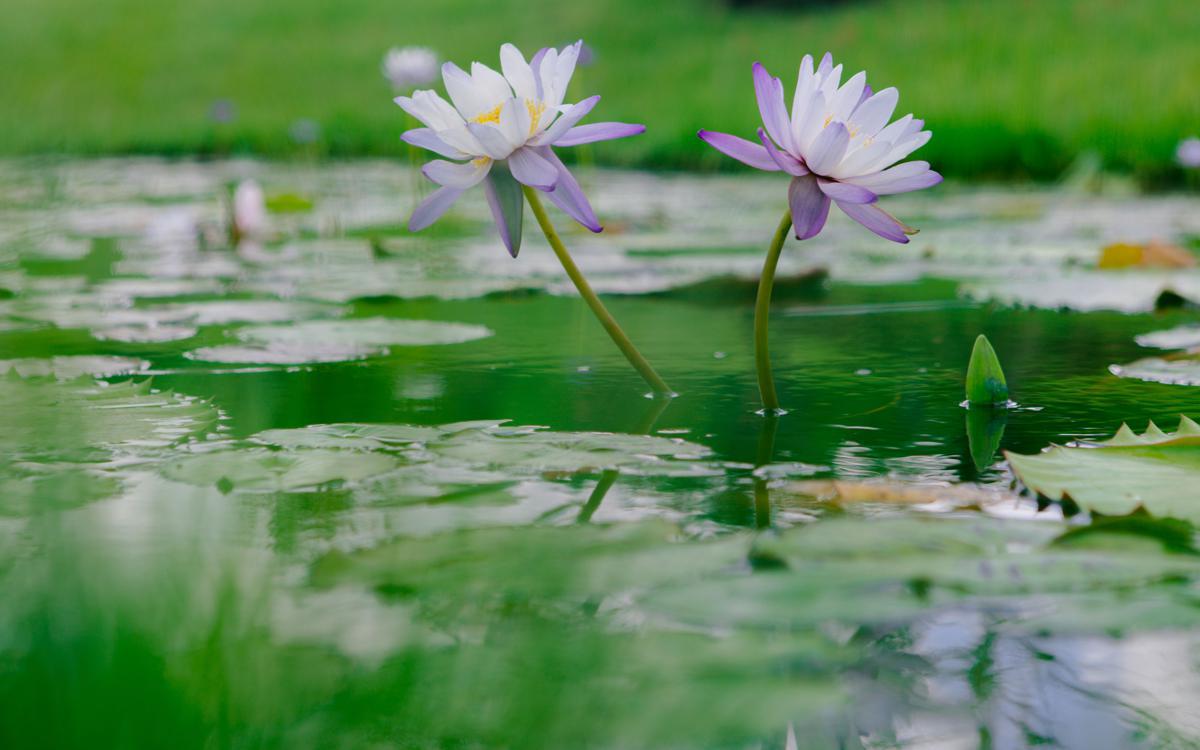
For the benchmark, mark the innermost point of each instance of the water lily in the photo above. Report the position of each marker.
(838, 147)
(409, 67)
(836, 144)
(499, 129)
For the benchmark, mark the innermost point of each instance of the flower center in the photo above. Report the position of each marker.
(492, 116)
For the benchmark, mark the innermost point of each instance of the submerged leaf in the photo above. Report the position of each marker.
(1155, 469)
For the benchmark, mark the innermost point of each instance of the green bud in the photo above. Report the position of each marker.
(985, 380)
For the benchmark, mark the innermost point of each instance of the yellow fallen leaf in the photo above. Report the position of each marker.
(1154, 254)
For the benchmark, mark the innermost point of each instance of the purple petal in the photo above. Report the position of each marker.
(877, 220)
(432, 208)
(843, 192)
(769, 92)
(866, 94)
(826, 64)
(535, 63)
(828, 148)
(427, 139)
(532, 170)
(810, 207)
(786, 161)
(566, 121)
(902, 178)
(599, 131)
(741, 149)
(567, 194)
(461, 176)
(508, 207)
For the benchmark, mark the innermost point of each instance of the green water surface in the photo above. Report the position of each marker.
(352, 488)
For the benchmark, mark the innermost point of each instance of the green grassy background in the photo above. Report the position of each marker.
(1010, 89)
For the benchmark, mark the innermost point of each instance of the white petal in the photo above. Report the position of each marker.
(847, 97)
(873, 114)
(431, 109)
(461, 87)
(806, 84)
(459, 176)
(518, 72)
(862, 160)
(903, 149)
(495, 145)
(515, 122)
(828, 148)
(493, 86)
(813, 121)
(460, 138)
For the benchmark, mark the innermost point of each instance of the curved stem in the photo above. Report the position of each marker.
(585, 290)
(762, 314)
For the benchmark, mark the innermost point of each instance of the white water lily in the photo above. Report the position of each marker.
(498, 128)
(837, 145)
(408, 67)
(249, 210)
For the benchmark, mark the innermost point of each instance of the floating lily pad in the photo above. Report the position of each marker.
(85, 421)
(317, 341)
(71, 367)
(1180, 369)
(1155, 470)
(513, 449)
(1086, 291)
(265, 470)
(1180, 337)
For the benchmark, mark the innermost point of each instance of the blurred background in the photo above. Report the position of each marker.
(1013, 89)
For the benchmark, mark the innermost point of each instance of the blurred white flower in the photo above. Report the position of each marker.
(409, 67)
(249, 210)
(1188, 153)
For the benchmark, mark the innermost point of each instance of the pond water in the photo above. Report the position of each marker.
(344, 486)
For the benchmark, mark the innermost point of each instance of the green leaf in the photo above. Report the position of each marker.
(1155, 470)
(986, 385)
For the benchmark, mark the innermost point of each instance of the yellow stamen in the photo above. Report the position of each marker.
(492, 116)
(536, 109)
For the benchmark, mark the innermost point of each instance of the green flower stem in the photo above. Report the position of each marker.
(585, 290)
(762, 314)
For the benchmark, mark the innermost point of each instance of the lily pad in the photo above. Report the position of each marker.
(517, 450)
(1181, 369)
(1155, 470)
(318, 341)
(71, 367)
(1180, 337)
(265, 470)
(86, 421)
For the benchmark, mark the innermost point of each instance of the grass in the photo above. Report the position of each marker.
(1010, 89)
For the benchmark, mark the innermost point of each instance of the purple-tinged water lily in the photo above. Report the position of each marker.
(500, 131)
(838, 147)
(836, 144)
